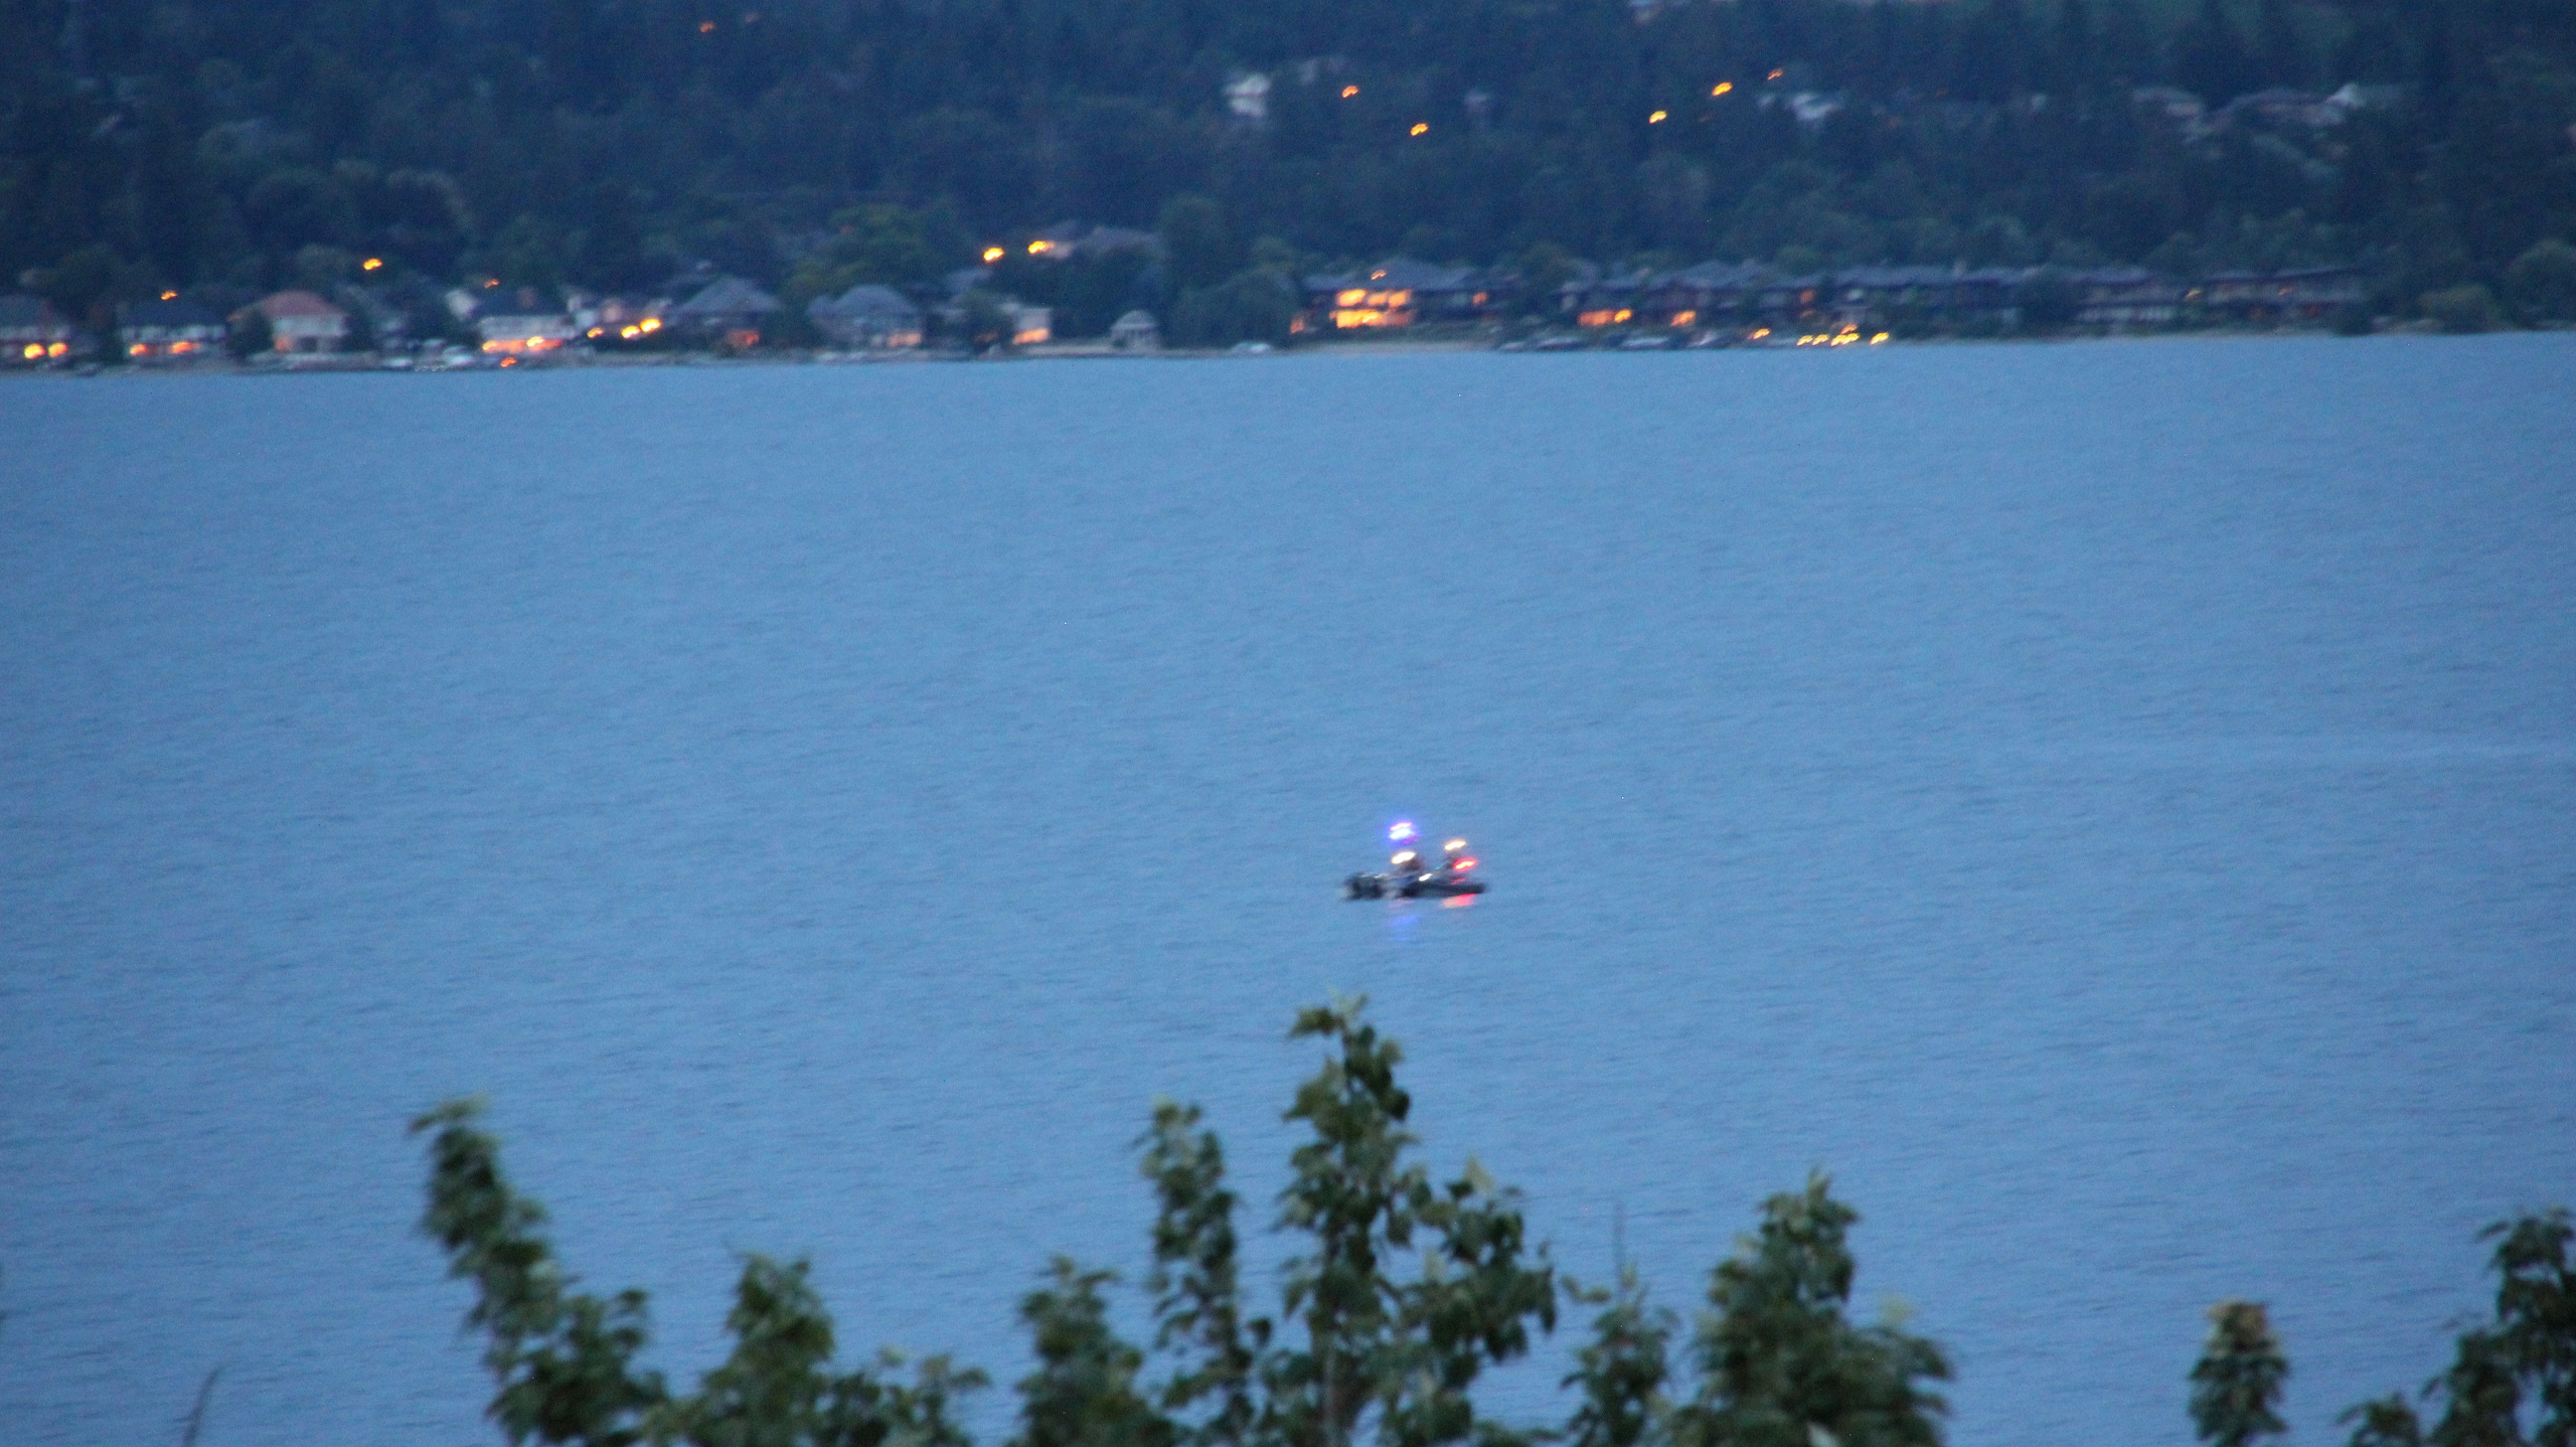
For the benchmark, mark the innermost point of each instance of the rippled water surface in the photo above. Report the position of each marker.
(2108, 804)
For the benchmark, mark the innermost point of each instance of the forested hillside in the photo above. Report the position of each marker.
(231, 145)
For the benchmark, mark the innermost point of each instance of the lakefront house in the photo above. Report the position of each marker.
(169, 330)
(867, 318)
(32, 333)
(300, 322)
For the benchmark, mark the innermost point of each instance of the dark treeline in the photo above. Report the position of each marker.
(246, 144)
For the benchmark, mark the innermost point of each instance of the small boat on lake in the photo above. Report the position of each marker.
(1409, 876)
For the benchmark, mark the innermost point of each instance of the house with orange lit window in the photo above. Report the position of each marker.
(730, 310)
(1594, 298)
(522, 321)
(33, 333)
(169, 331)
(1711, 294)
(1398, 292)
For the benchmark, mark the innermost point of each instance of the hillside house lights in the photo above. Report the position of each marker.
(1722, 87)
(1421, 127)
(372, 263)
(1349, 90)
(1656, 119)
(993, 254)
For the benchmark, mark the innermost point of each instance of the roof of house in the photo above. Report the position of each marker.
(1884, 278)
(727, 296)
(1133, 321)
(1716, 274)
(277, 306)
(868, 299)
(27, 311)
(169, 314)
(1403, 273)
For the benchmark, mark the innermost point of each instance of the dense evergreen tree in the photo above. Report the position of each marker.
(228, 146)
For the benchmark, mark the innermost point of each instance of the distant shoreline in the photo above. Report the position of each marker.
(343, 364)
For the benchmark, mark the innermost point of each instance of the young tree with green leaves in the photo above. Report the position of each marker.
(1621, 1373)
(1408, 1290)
(1408, 1350)
(2236, 1385)
(563, 1360)
(2521, 1365)
(1198, 1298)
(773, 1390)
(1084, 1392)
(1780, 1363)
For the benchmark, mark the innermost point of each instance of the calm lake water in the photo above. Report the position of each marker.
(2108, 804)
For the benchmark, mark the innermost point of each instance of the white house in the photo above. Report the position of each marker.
(1135, 332)
(520, 321)
(299, 321)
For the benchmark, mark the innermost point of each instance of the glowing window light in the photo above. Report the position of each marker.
(706, 27)
(1775, 75)
(1656, 119)
(372, 263)
(58, 349)
(138, 350)
(1722, 87)
(993, 254)
(1685, 317)
(1353, 297)
(1040, 248)
(1349, 90)
(1421, 127)
(1874, 341)
(169, 296)
(1402, 831)
(34, 351)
